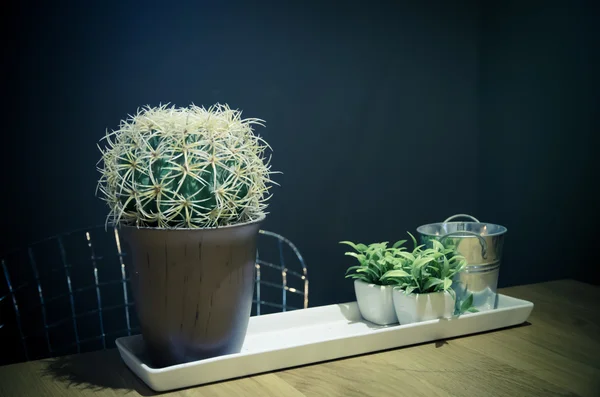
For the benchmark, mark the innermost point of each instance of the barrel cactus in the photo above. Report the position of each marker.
(187, 167)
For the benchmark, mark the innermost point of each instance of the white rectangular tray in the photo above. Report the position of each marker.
(289, 339)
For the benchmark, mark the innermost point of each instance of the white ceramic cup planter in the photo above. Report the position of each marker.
(375, 302)
(414, 308)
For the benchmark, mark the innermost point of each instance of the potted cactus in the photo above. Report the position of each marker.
(423, 283)
(188, 188)
(373, 292)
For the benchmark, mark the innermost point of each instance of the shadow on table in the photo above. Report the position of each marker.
(95, 371)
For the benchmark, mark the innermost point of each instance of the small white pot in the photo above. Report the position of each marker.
(375, 302)
(415, 308)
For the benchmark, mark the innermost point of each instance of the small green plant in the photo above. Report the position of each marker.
(375, 260)
(188, 167)
(426, 270)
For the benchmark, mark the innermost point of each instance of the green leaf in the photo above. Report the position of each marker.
(448, 284)
(396, 262)
(361, 258)
(409, 290)
(445, 268)
(466, 305)
(432, 271)
(361, 247)
(457, 258)
(473, 310)
(432, 282)
(374, 276)
(414, 240)
(350, 243)
(379, 270)
(422, 261)
(378, 246)
(396, 273)
(415, 273)
(407, 255)
(417, 249)
(437, 245)
(352, 268)
(399, 243)
(375, 256)
(361, 277)
(401, 284)
(355, 275)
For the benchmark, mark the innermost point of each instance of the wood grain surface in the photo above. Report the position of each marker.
(556, 353)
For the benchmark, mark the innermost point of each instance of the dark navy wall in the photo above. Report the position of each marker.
(370, 109)
(538, 129)
(382, 117)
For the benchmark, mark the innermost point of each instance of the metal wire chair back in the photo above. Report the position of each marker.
(71, 293)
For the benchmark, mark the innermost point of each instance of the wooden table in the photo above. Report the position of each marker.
(556, 353)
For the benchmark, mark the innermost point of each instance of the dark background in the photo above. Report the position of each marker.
(382, 116)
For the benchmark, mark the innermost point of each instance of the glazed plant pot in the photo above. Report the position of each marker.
(375, 302)
(414, 308)
(193, 289)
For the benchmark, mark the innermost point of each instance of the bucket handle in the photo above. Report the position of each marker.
(462, 216)
(463, 232)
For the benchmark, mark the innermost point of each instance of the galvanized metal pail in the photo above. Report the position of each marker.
(481, 245)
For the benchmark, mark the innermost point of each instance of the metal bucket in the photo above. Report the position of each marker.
(481, 245)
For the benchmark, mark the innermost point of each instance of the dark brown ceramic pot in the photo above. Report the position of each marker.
(193, 289)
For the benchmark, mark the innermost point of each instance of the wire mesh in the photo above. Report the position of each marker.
(71, 293)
